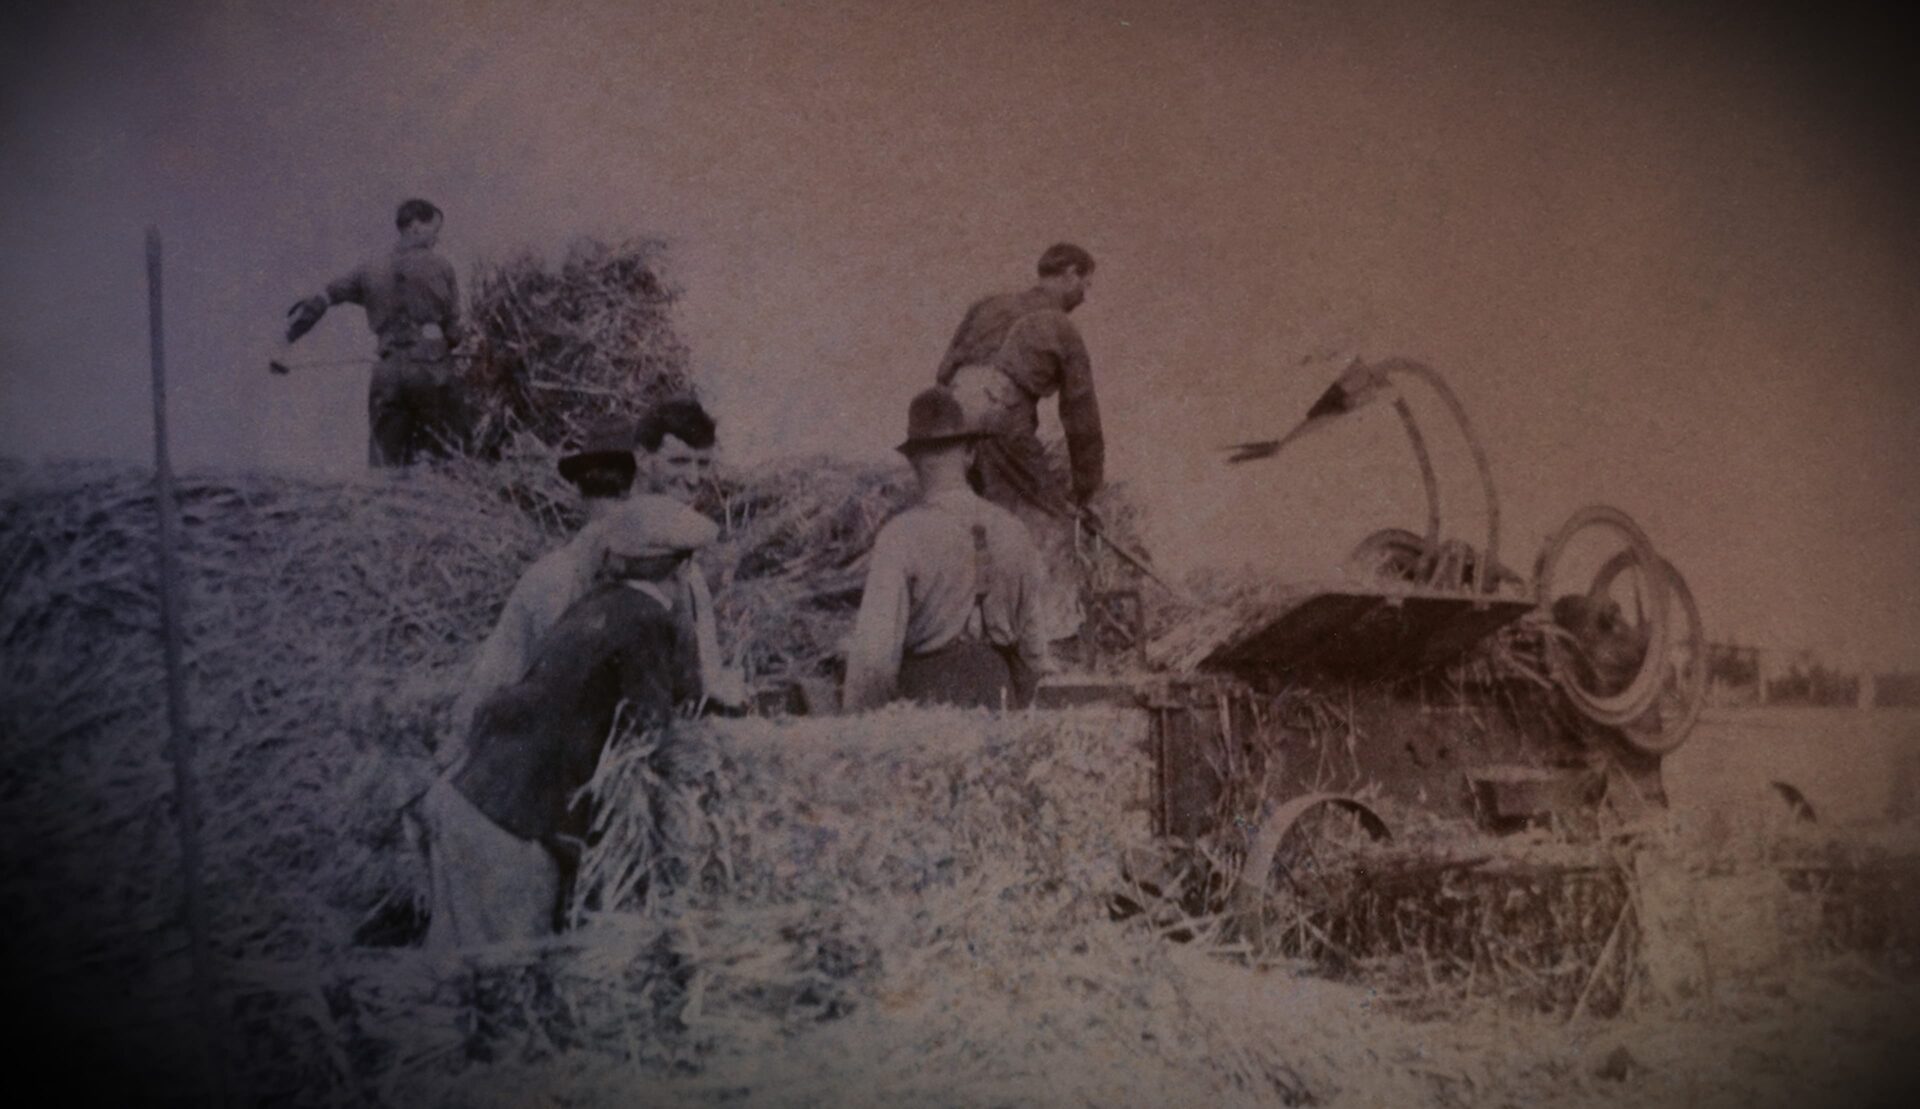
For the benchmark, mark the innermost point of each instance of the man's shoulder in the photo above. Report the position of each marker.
(412, 258)
(551, 580)
(1010, 302)
(557, 565)
(911, 526)
(1048, 319)
(1004, 527)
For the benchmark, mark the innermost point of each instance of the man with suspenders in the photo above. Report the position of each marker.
(1011, 353)
(950, 613)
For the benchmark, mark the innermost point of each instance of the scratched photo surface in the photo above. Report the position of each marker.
(1515, 260)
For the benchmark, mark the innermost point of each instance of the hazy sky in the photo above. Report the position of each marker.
(1668, 260)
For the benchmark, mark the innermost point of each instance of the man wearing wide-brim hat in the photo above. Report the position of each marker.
(505, 820)
(601, 465)
(950, 613)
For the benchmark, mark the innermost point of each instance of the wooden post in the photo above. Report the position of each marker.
(186, 806)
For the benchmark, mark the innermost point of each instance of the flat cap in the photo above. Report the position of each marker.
(651, 525)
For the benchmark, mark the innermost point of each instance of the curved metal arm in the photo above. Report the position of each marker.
(1427, 480)
(1484, 577)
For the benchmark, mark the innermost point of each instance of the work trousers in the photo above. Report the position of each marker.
(967, 673)
(1012, 467)
(487, 884)
(414, 409)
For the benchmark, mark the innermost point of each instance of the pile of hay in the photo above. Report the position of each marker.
(328, 627)
(792, 558)
(898, 908)
(564, 346)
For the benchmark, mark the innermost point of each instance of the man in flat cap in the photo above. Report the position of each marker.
(412, 301)
(504, 822)
(1011, 352)
(602, 467)
(949, 612)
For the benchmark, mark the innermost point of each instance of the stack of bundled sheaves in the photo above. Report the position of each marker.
(326, 626)
(563, 346)
(910, 904)
(902, 908)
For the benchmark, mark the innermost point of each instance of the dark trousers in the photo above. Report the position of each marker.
(966, 673)
(414, 409)
(1012, 469)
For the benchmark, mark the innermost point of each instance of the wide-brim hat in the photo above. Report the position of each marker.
(607, 442)
(936, 417)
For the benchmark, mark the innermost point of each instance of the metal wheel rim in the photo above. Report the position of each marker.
(1618, 708)
(1694, 688)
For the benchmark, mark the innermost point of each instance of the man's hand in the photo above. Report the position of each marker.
(303, 315)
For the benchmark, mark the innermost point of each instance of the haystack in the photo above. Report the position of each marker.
(565, 345)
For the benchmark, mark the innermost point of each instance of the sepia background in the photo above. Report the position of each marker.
(1664, 252)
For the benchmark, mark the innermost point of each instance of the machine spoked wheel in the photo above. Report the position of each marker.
(1305, 866)
(1682, 692)
(1596, 698)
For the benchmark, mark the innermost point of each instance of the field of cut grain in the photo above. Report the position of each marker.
(900, 908)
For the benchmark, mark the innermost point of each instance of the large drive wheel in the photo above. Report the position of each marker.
(1304, 867)
(1598, 703)
(1682, 692)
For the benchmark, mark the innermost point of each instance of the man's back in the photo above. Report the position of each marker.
(535, 742)
(542, 595)
(402, 291)
(922, 582)
(983, 330)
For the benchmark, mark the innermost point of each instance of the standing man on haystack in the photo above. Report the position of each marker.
(412, 301)
(504, 824)
(1011, 352)
(950, 610)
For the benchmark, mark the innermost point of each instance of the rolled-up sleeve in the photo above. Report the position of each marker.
(1080, 413)
(880, 630)
(351, 289)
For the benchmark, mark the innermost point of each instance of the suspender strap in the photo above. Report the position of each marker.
(982, 577)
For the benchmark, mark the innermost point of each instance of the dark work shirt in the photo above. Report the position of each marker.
(537, 741)
(1031, 340)
(403, 291)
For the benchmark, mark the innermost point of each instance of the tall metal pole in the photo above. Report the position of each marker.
(180, 740)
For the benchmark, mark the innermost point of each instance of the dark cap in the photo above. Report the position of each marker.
(607, 442)
(936, 417)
